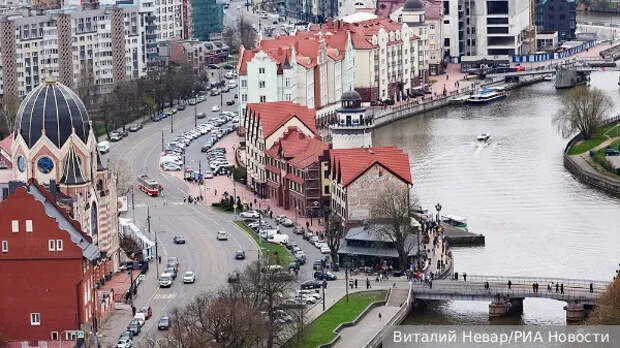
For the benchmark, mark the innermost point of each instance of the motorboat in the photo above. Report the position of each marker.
(484, 137)
(454, 220)
(487, 95)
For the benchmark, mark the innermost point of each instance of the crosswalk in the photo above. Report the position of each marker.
(165, 296)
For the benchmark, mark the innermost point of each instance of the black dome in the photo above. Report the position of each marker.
(351, 96)
(55, 108)
(413, 5)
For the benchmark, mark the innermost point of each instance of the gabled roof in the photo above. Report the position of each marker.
(72, 173)
(6, 143)
(273, 115)
(299, 149)
(352, 163)
(100, 166)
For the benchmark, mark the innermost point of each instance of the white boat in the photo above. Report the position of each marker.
(454, 220)
(484, 137)
(487, 95)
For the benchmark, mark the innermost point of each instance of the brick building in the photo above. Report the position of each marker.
(297, 167)
(357, 175)
(264, 124)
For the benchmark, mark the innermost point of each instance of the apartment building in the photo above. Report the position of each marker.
(557, 15)
(265, 123)
(104, 42)
(196, 53)
(486, 28)
(311, 68)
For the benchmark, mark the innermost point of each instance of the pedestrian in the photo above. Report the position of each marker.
(548, 287)
(557, 287)
(465, 276)
(430, 283)
(447, 77)
(356, 283)
(325, 284)
(591, 287)
(270, 214)
(367, 283)
(307, 225)
(562, 288)
(509, 284)
(215, 192)
(379, 316)
(159, 258)
(133, 311)
(533, 287)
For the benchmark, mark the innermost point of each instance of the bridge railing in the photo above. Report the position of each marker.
(530, 280)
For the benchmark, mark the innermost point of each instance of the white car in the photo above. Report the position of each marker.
(124, 342)
(141, 318)
(103, 147)
(325, 249)
(189, 277)
(222, 235)
(165, 280)
(216, 108)
(170, 167)
(251, 214)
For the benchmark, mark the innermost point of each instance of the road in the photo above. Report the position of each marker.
(210, 259)
(237, 9)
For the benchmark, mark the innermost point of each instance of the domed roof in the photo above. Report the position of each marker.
(351, 95)
(52, 109)
(413, 5)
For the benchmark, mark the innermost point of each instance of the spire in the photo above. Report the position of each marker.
(72, 173)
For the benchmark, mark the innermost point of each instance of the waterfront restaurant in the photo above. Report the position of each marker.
(370, 246)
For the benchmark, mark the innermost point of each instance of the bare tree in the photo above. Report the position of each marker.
(583, 110)
(242, 34)
(392, 208)
(8, 110)
(607, 311)
(122, 175)
(86, 87)
(130, 247)
(334, 233)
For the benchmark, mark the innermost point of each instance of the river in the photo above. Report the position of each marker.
(537, 218)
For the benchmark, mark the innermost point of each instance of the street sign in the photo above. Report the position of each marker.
(80, 334)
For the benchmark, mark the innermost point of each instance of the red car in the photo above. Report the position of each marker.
(147, 312)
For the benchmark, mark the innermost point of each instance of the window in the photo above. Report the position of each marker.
(55, 336)
(261, 70)
(5, 246)
(59, 245)
(15, 225)
(35, 319)
(244, 83)
(326, 190)
(28, 225)
(263, 99)
(261, 84)
(51, 245)
(244, 97)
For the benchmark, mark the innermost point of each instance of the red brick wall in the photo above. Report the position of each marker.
(34, 279)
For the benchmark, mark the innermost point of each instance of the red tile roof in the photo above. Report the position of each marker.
(362, 32)
(352, 163)
(433, 9)
(274, 115)
(299, 149)
(6, 143)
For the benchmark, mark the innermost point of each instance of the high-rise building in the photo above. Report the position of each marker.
(103, 43)
(557, 15)
(204, 24)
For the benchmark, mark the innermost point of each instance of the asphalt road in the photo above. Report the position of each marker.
(210, 259)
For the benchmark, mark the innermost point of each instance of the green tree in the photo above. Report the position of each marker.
(583, 110)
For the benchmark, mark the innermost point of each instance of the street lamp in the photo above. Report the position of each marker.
(438, 208)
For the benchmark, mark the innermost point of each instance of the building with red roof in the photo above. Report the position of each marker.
(312, 69)
(296, 165)
(265, 124)
(357, 175)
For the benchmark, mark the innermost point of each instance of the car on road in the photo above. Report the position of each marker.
(215, 92)
(165, 280)
(173, 260)
(192, 101)
(124, 342)
(147, 311)
(325, 249)
(115, 137)
(189, 277)
(201, 115)
(125, 334)
(240, 255)
(134, 328)
(279, 218)
(298, 230)
(140, 318)
(222, 235)
(172, 271)
(103, 147)
(233, 277)
(181, 107)
(170, 167)
(134, 128)
(317, 265)
(287, 222)
(300, 258)
(311, 284)
(230, 102)
(611, 152)
(216, 108)
(250, 214)
(178, 240)
(164, 323)
(308, 234)
(320, 275)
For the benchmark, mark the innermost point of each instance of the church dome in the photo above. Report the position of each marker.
(413, 5)
(52, 110)
(351, 96)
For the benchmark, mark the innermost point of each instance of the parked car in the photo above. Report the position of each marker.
(325, 249)
(140, 318)
(320, 275)
(134, 128)
(298, 230)
(164, 323)
(287, 222)
(147, 311)
(611, 152)
(216, 108)
(134, 328)
(230, 102)
(250, 214)
(189, 277)
(317, 265)
(311, 284)
(115, 136)
(124, 342)
(103, 147)
(240, 255)
(181, 107)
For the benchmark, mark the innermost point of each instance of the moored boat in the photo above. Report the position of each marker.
(454, 220)
(487, 95)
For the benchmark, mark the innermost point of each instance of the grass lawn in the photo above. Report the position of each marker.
(284, 256)
(597, 138)
(321, 330)
(613, 131)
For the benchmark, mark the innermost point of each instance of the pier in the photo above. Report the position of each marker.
(580, 298)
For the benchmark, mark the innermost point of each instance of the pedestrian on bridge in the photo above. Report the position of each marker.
(509, 284)
(465, 276)
(557, 287)
(562, 288)
(591, 288)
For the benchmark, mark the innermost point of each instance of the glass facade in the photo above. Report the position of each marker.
(207, 18)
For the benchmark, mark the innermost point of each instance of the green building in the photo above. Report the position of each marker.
(207, 18)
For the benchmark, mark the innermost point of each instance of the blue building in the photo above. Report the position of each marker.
(557, 15)
(207, 18)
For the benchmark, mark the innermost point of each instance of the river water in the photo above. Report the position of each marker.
(538, 220)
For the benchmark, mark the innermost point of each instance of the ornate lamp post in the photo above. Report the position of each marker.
(438, 208)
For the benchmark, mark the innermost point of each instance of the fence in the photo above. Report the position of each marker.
(551, 56)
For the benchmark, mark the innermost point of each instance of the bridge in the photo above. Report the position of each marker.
(578, 295)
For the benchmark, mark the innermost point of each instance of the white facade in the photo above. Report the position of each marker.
(487, 28)
(169, 15)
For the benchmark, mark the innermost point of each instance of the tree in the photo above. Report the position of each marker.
(607, 311)
(392, 208)
(122, 175)
(8, 111)
(86, 87)
(334, 233)
(583, 110)
(130, 246)
(244, 34)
